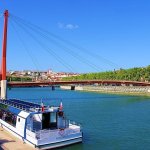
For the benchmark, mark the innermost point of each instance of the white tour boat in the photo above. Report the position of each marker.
(43, 127)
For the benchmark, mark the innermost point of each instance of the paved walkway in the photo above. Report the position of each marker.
(10, 142)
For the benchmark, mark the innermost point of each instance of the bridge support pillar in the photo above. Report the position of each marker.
(3, 67)
(3, 89)
(53, 88)
(72, 87)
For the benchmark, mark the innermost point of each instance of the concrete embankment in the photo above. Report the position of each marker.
(65, 87)
(68, 87)
(132, 90)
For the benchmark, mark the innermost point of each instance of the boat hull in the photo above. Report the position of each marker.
(60, 144)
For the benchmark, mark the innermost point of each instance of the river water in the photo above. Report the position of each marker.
(109, 122)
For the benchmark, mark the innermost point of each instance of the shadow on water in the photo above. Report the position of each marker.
(77, 146)
(135, 99)
(78, 98)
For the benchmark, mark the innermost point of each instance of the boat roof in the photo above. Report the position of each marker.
(29, 107)
(20, 104)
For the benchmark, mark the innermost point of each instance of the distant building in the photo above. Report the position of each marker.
(41, 75)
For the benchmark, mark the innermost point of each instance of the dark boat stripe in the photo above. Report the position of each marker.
(42, 146)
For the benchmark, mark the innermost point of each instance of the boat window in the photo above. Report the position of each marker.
(18, 119)
(45, 120)
(53, 120)
(8, 117)
(49, 120)
(53, 117)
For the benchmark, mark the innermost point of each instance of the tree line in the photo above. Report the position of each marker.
(133, 74)
(21, 79)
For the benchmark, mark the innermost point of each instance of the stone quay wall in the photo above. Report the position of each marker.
(116, 89)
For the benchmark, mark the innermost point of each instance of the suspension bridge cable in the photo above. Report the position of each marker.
(25, 46)
(72, 44)
(72, 53)
(64, 48)
(50, 51)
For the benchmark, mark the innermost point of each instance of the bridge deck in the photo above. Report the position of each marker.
(103, 82)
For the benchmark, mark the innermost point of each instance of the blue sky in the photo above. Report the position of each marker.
(116, 31)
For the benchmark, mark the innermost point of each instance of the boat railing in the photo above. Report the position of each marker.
(29, 127)
(71, 122)
(46, 133)
(43, 134)
(30, 133)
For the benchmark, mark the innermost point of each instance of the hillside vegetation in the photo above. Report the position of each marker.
(23, 79)
(133, 74)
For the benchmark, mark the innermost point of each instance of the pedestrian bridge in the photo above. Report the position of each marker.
(81, 82)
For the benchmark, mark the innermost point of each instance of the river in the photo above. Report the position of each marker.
(109, 122)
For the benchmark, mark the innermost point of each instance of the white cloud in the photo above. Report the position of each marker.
(67, 26)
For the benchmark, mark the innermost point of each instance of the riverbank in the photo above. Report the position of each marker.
(125, 90)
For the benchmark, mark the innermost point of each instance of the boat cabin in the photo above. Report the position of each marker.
(15, 112)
